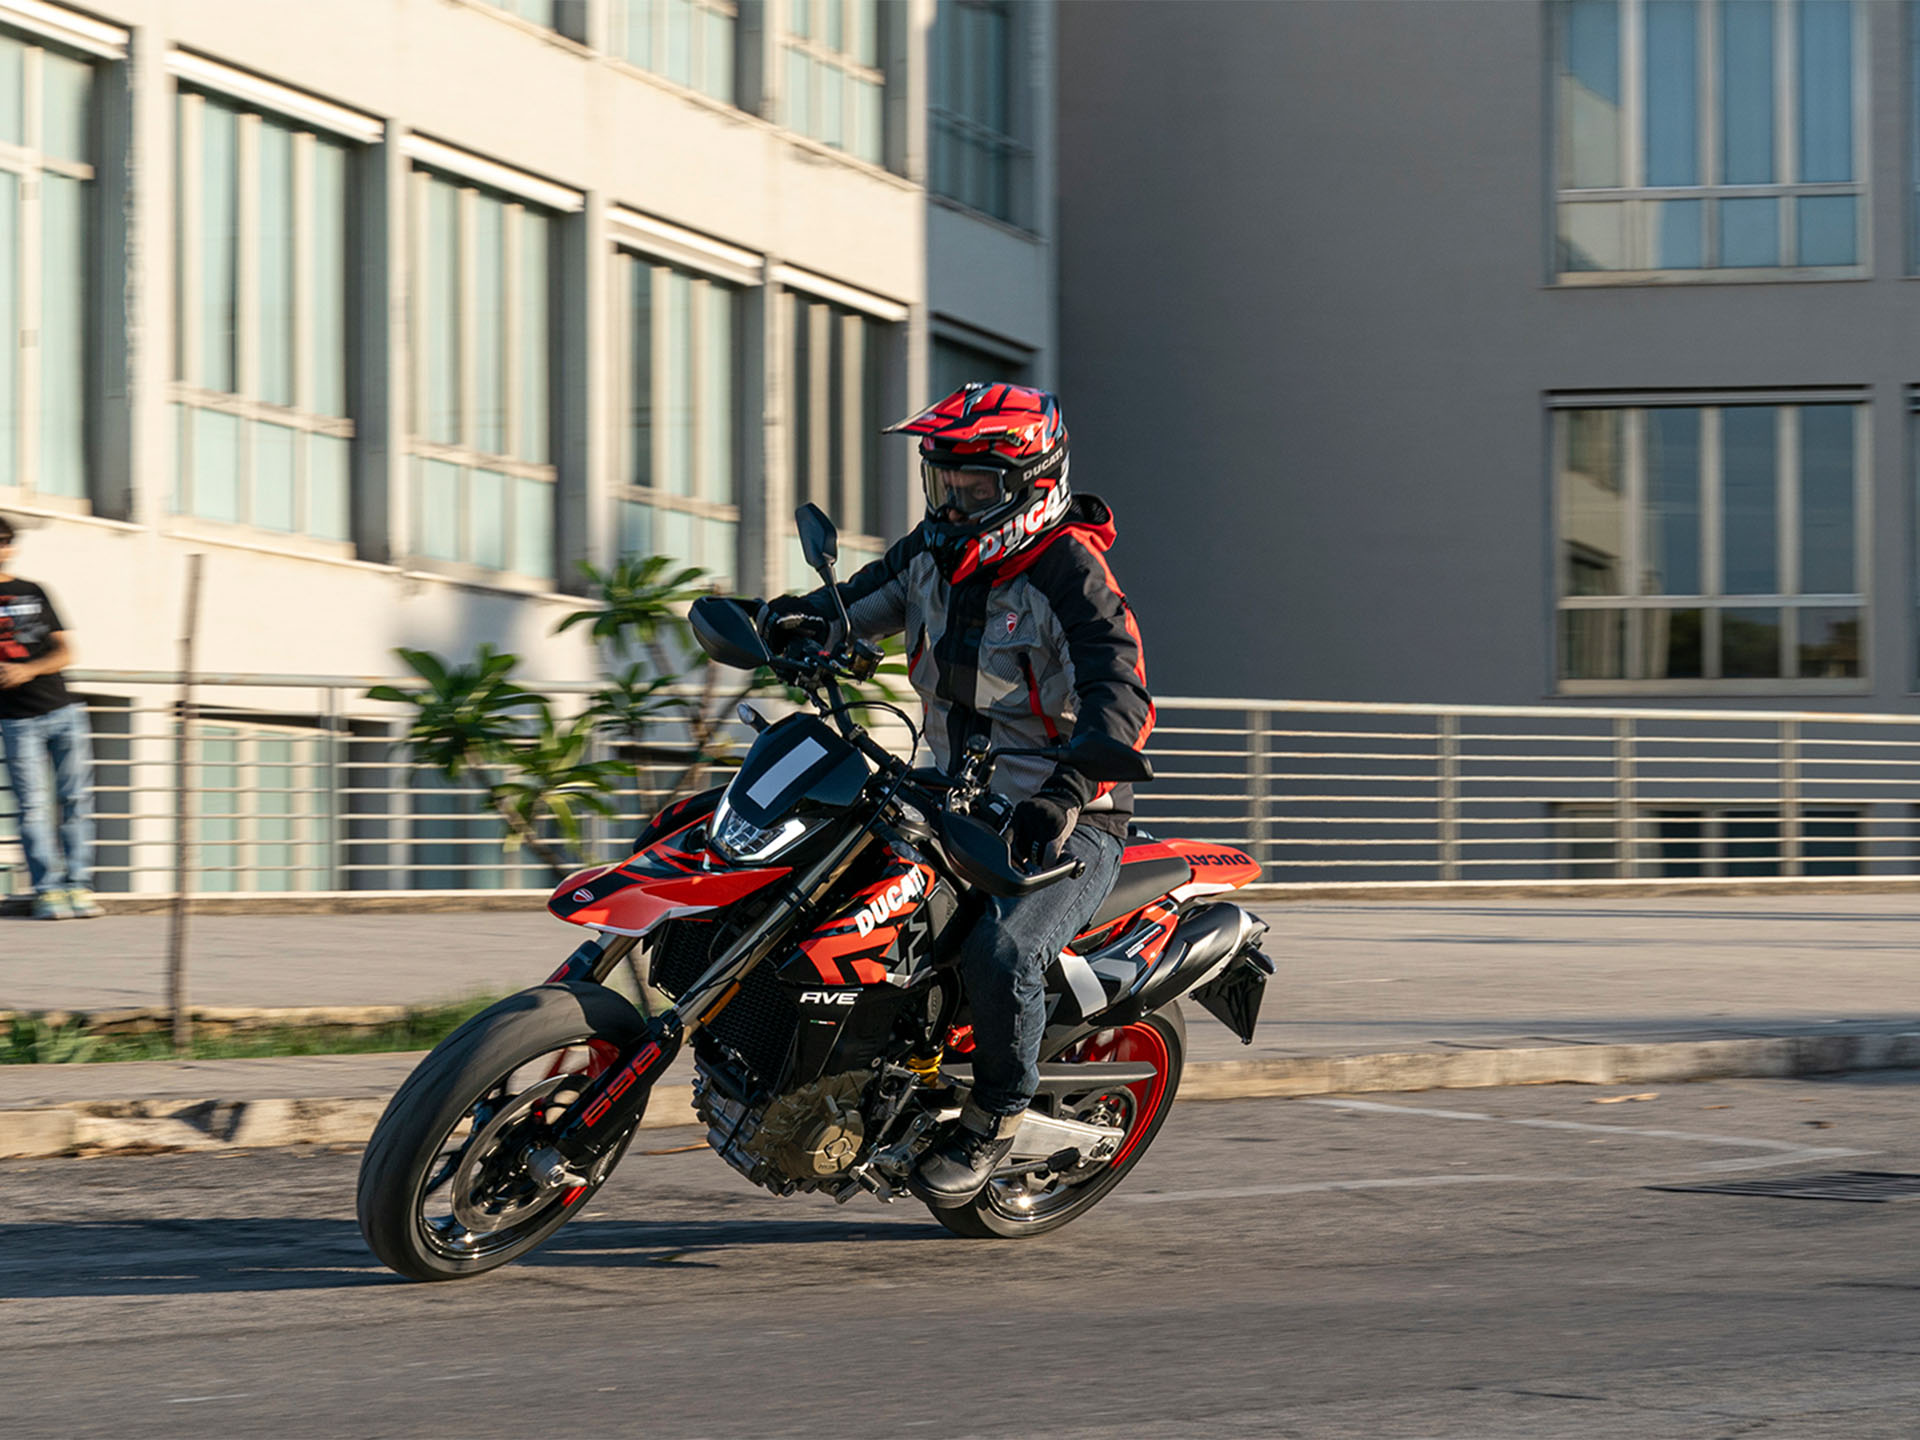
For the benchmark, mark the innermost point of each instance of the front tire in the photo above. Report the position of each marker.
(441, 1194)
(1016, 1210)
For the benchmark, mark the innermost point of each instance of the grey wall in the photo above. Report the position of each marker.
(1306, 337)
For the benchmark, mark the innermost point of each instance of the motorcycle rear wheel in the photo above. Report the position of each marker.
(1016, 1210)
(443, 1194)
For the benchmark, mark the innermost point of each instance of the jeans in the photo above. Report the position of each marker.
(62, 736)
(1004, 963)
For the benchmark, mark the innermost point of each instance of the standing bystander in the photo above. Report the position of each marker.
(41, 721)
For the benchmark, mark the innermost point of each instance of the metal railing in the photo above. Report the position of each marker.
(302, 784)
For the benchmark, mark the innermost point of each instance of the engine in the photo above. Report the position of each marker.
(805, 1139)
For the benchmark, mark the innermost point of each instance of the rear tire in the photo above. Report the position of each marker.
(1009, 1211)
(482, 1076)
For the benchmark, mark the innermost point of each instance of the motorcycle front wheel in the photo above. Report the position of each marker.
(1016, 1208)
(444, 1191)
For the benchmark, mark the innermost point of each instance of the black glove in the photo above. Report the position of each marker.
(1039, 827)
(785, 616)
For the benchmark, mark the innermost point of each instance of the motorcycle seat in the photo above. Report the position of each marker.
(1141, 881)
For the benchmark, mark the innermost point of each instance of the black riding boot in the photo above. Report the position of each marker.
(958, 1165)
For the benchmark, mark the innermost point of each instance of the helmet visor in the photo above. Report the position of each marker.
(967, 489)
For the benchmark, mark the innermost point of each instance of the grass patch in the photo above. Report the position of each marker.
(30, 1040)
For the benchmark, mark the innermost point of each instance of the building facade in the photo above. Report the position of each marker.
(1501, 353)
(399, 311)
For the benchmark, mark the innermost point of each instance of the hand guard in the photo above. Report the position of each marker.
(1040, 826)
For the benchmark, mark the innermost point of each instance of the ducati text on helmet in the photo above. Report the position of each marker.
(993, 461)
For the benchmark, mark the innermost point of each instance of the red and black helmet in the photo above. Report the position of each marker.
(993, 461)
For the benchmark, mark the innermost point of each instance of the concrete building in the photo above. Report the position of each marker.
(1458, 351)
(398, 311)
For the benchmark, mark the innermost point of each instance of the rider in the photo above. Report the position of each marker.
(1016, 634)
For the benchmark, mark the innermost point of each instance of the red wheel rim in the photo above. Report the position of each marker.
(1143, 1044)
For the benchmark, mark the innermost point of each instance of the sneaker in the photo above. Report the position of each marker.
(52, 905)
(958, 1165)
(80, 900)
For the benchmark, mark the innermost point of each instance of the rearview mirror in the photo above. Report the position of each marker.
(725, 630)
(1099, 756)
(819, 541)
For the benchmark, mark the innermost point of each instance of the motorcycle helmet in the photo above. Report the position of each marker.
(993, 463)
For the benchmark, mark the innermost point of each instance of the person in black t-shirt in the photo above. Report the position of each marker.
(41, 722)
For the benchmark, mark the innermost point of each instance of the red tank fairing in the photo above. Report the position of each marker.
(625, 903)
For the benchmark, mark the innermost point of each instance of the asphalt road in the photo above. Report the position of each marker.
(1433, 1265)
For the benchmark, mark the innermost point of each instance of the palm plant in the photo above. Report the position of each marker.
(554, 777)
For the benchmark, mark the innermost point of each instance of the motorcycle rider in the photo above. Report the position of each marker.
(1017, 633)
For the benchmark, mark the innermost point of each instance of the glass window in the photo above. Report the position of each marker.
(260, 300)
(538, 12)
(834, 88)
(980, 156)
(834, 420)
(483, 489)
(46, 232)
(1686, 169)
(681, 428)
(690, 42)
(1710, 542)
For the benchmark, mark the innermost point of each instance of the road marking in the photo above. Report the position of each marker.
(202, 1399)
(1781, 1152)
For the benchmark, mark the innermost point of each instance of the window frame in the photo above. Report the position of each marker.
(813, 45)
(1639, 200)
(465, 453)
(948, 125)
(185, 396)
(620, 30)
(1712, 599)
(812, 449)
(27, 162)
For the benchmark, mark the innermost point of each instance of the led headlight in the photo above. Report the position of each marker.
(740, 840)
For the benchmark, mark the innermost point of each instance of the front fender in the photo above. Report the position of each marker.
(621, 902)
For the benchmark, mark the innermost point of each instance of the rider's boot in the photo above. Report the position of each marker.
(957, 1166)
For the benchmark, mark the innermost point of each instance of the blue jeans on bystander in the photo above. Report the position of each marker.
(63, 737)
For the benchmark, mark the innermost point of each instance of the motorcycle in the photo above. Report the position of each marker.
(805, 920)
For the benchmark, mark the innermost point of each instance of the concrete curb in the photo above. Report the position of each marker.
(103, 1126)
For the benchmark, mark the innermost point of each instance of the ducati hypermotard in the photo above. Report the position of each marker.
(805, 920)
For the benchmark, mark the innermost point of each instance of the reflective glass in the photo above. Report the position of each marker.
(1593, 236)
(718, 56)
(866, 119)
(1750, 232)
(216, 466)
(677, 455)
(718, 546)
(1593, 644)
(328, 459)
(1746, 92)
(441, 289)
(1827, 539)
(13, 91)
(639, 33)
(487, 518)
(800, 17)
(636, 528)
(1749, 500)
(1670, 548)
(273, 507)
(866, 32)
(833, 104)
(679, 66)
(1670, 643)
(327, 356)
(798, 92)
(9, 319)
(1826, 90)
(716, 396)
(533, 528)
(534, 416)
(63, 337)
(1826, 229)
(640, 365)
(66, 92)
(1593, 508)
(836, 36)
(274, 328)
(1679, 243)
(1750, 644)
(488, 430)
(219, 242)
(1829, 644)
(673, 533)
(1673, 82)
(438, 510)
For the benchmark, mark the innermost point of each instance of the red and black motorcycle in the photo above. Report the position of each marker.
(805, 920)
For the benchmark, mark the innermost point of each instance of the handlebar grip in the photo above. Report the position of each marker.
(1068, 869)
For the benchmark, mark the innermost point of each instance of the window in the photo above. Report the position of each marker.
(258, 824)
(1694, 842)
(690, 42)
(834, 420)
(537, 12)
(832, 86)
(977, 157)
(262, 435)
(1712, 543)
(1708, 135)
(680, 425)
(46, 201)
(955, 363)
(483, 473)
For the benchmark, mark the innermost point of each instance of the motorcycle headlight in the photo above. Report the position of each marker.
(738, 839)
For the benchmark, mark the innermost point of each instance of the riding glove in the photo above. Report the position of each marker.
(1040, 826)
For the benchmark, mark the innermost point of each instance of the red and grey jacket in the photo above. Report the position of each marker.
(1025, 654)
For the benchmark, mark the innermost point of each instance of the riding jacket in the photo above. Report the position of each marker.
(1023, 654)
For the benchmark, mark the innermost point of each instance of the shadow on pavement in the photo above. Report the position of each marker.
(229, 1255)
